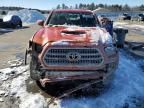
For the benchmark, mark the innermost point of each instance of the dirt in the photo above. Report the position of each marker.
(134, 37)
(13, 44)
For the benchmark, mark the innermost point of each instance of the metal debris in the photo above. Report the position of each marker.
(15, 63)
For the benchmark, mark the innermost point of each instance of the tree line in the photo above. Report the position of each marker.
(10, 8)
(94, 6)
(91, 6)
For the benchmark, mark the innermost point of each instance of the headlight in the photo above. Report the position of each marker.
(110, 50)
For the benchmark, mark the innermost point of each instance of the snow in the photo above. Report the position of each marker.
(1, 100)
(17, 88)
(130, 26)
(33, 101)
(5, 30)
(136, 25)
(100, 35)
(2, 92)
(27, 16)
(120, 23)
(7, 18)
(129, 81)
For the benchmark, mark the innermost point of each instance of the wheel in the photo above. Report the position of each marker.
(20, 24)
(108, 81)
(40, 86)
(12, 25)
(34, 73)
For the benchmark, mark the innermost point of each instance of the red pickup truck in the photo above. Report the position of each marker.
(71, 46)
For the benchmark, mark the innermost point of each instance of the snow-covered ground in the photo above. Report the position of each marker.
(129, 26)
(128, 82)
(13, 85)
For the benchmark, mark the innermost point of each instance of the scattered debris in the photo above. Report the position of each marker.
(15, 63)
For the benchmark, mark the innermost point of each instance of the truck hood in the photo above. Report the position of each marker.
(62, 35)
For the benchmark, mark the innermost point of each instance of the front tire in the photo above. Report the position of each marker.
(34, 73)
(20, 24)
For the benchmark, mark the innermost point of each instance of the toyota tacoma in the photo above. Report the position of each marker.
(72, 46)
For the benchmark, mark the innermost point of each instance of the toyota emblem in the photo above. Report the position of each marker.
(73, 56)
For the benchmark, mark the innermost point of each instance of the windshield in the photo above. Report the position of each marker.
(73, 18)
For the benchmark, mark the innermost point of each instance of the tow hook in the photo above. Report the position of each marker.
(44, 81)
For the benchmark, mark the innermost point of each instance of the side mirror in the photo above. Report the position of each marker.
(40, 22)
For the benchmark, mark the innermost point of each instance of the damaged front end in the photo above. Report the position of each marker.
(72, 61)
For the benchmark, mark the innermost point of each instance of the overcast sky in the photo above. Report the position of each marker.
(49, 4)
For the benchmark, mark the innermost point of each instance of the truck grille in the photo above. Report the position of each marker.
(73, 57)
